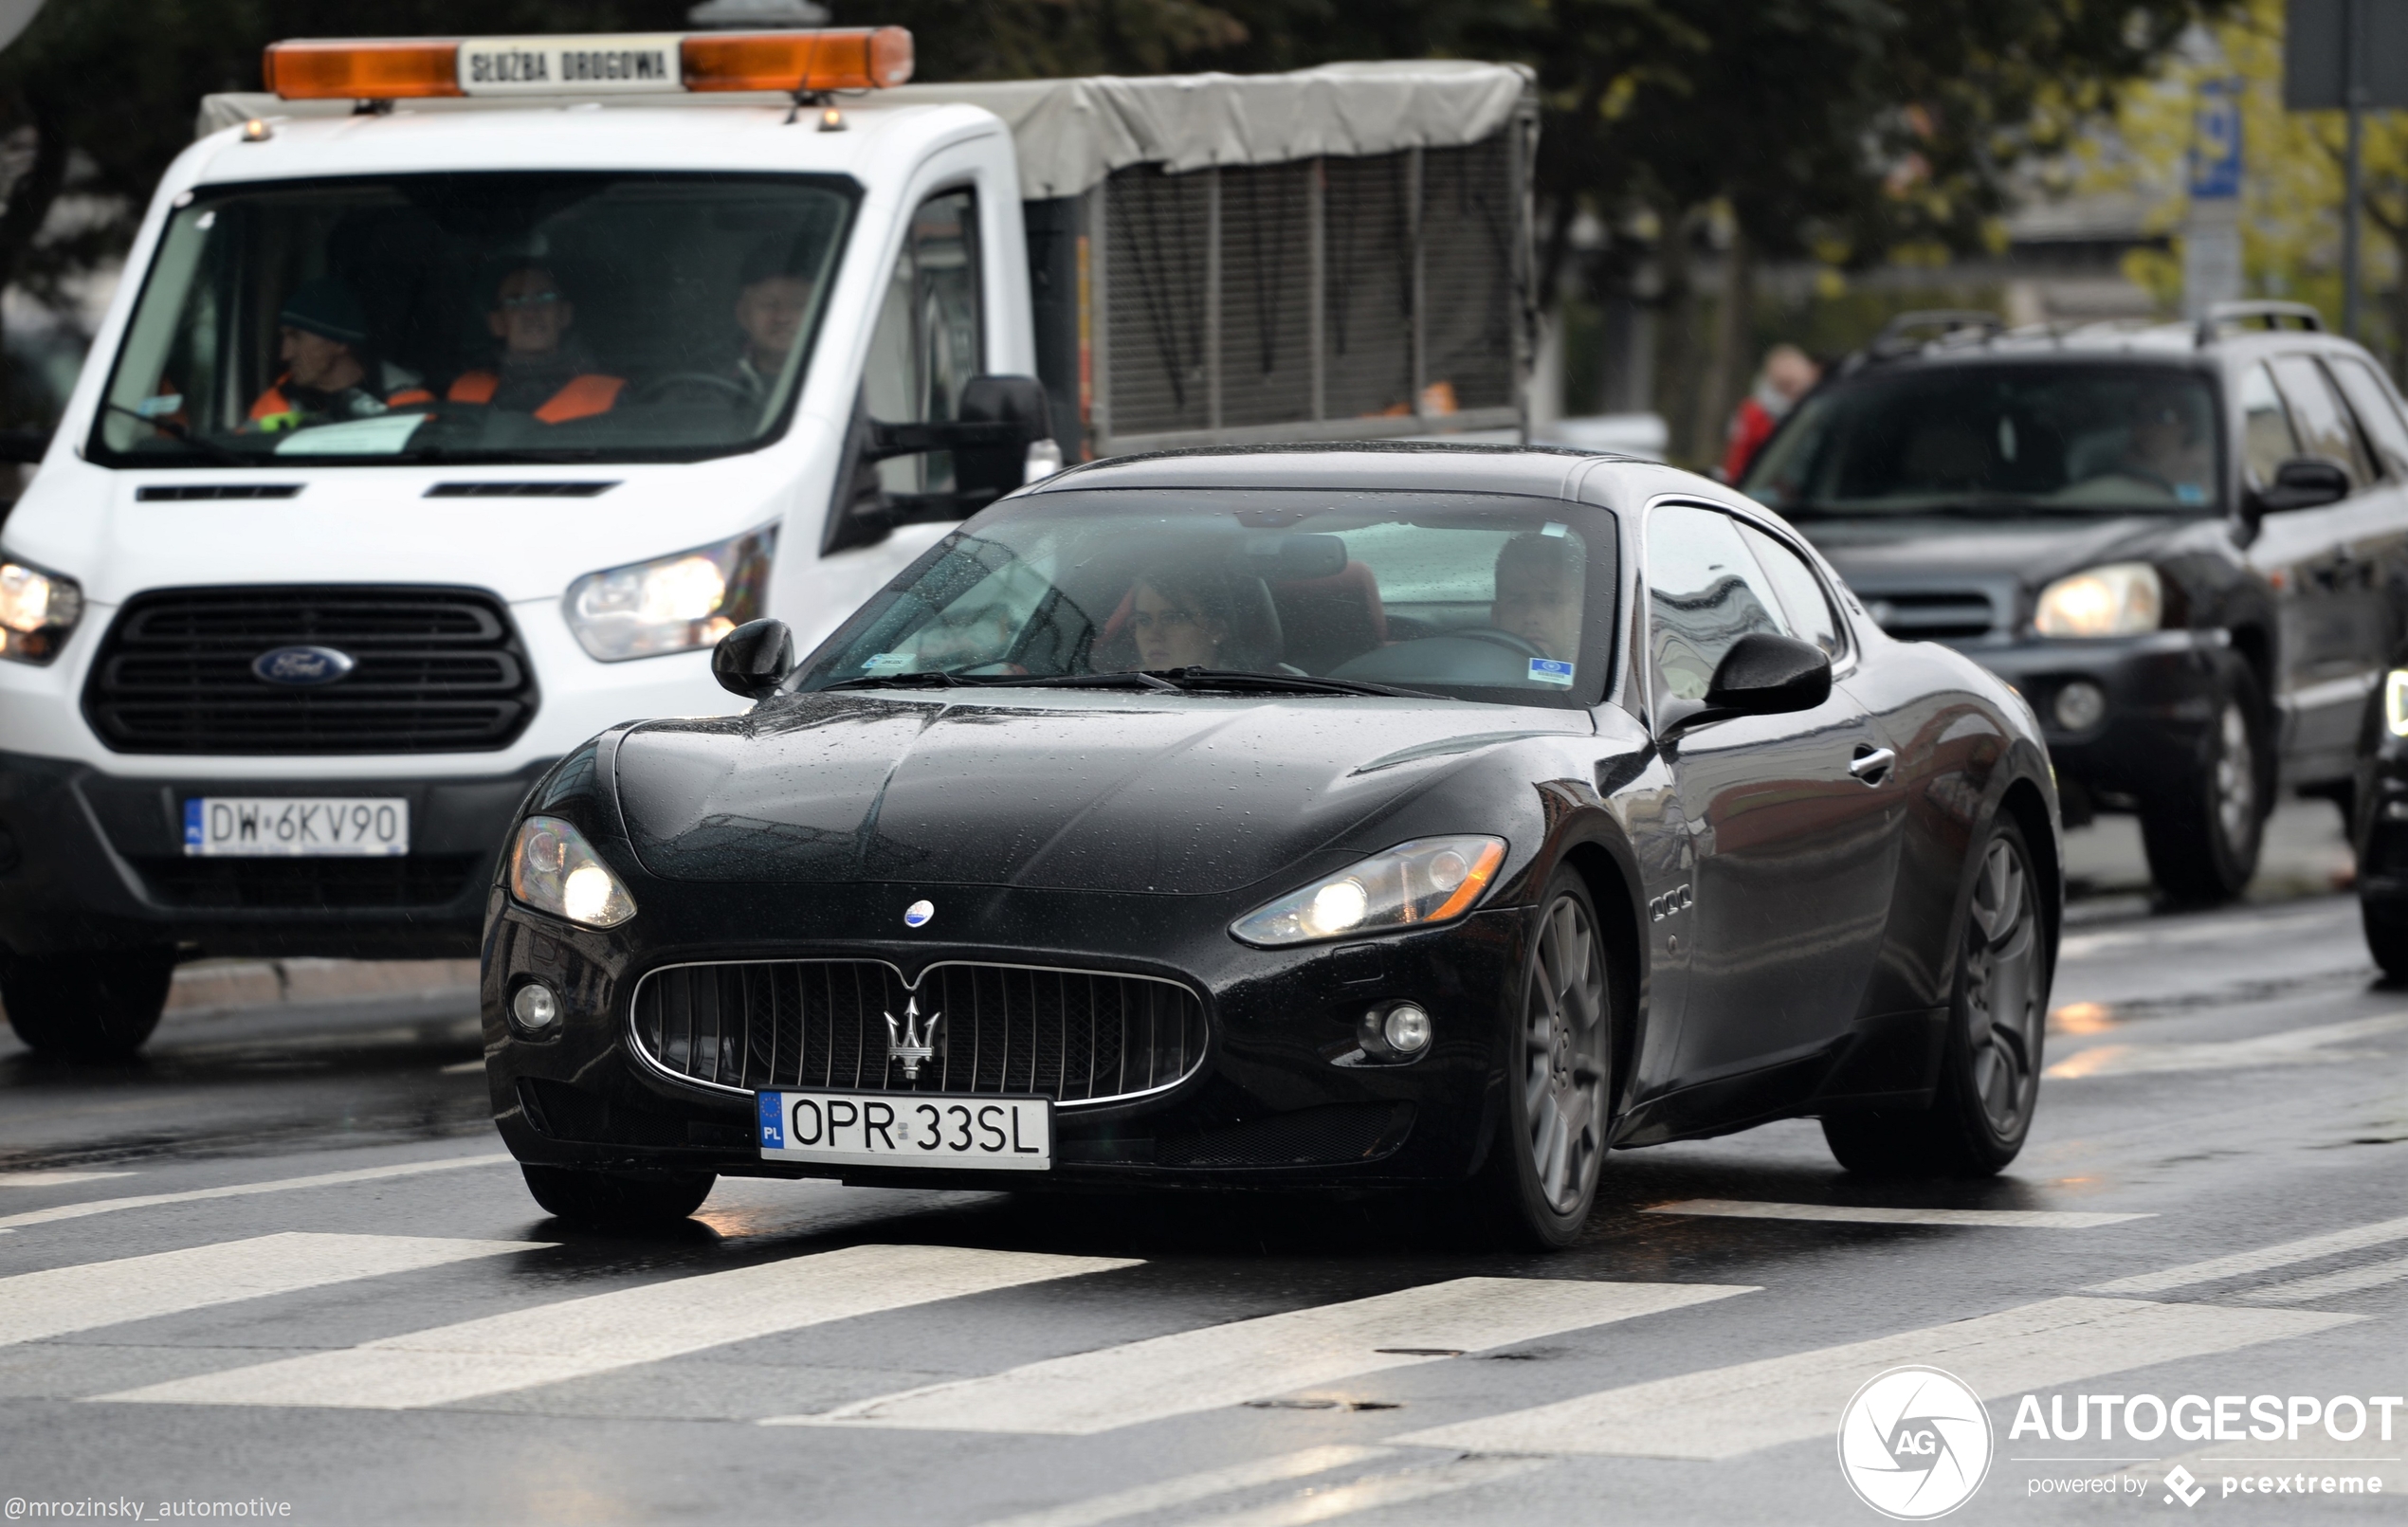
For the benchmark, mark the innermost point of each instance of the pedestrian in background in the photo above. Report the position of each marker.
(1788, 373)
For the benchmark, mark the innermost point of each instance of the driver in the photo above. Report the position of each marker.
(541, 371)
(1180, 620)
(772, 301)
(1537, 596)
(323, 338)
(2166, 443)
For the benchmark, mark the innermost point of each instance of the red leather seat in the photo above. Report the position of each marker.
(1330, 620)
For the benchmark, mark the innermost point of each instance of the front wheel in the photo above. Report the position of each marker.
(86, 1007)
(2386, 924)
(1543, 1166)
(1990, 1064)
(618, 1200)
(2202, 837)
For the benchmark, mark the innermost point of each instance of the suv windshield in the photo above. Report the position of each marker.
(1474, 596)
(514, 316)
(1999, 439)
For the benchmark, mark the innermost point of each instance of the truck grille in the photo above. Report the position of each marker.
(1074, 1036)
(414, 881)
(437, 671)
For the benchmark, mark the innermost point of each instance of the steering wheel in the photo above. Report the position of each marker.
(727, 389)
(1495, 637)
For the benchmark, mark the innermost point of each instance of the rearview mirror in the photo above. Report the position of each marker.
(754, 658)
(2305, 483)
(1760, 675)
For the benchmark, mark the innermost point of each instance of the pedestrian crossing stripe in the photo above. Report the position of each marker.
(2265, 1259)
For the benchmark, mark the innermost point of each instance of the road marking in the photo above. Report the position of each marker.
(2042, 1218)
(1724, 1411)
(599, 1333)
(2293, 1047)
(2347, 1281)
(37, 1305)
(2262, 1260)
(242, 1189)
(1215, 1365)
(2219, 931)
(1189, 1488)
(1372, 1491)
(53, 1179)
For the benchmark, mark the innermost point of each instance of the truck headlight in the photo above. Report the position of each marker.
(672, 604)
(1430, 879)
(2120, 599)
(37, 611)
(554, 870)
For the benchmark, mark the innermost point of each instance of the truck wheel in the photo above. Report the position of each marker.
(2387, 935)
(618, 1200)
(2204, 834)
(1990, 1068)
(86, 1007)
(1543, 1168)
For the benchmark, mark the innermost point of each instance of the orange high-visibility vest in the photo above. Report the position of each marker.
(583, 397)
(273, 401)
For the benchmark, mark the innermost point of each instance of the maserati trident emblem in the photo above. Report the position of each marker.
(911, 1041)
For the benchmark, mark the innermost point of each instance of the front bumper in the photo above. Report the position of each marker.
(90, 860)
(1275, 1101)
(2160, 692)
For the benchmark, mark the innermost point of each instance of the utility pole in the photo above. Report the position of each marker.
(2351, 56)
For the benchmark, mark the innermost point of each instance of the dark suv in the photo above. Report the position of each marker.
(2187, 546)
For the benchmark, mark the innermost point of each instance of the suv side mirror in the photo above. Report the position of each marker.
(2305, 483)
(754, 658)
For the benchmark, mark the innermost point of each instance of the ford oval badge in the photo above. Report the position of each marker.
(301, 665)
(917, 913)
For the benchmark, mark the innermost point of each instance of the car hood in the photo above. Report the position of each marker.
(1057, 790)
(1875, 554)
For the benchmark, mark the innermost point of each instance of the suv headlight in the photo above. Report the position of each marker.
(2396, 701)
(37, 611)
(554, 870)
(672, 604)
(1430, 879)
(2120, 599)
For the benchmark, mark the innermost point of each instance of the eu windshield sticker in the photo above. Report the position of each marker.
(1548, 671)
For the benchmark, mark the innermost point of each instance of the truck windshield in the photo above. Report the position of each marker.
(1999, 439)
(497, 317)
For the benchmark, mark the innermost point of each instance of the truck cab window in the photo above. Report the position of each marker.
(927, 342)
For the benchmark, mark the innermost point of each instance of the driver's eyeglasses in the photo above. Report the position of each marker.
(530, 300)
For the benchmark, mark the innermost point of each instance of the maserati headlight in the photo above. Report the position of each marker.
(554, 870)
(1430, 879)
(2120, 599)
(672, 604)
(37, 611)
(2396, 701)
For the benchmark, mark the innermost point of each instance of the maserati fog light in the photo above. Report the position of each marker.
(1394, 1033)
(536, 1008)
(2080, 705)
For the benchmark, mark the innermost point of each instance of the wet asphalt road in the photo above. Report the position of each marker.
(419, 1343)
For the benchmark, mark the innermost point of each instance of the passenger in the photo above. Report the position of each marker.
(966, 636)
(1539, 594)
(771, 302)
(542, 371)
(1181, 619)
(322, 341)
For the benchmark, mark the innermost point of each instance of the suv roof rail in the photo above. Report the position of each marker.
(2272, 313)
(1898, 337)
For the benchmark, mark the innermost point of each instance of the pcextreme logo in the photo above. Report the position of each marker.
(1914, 1444)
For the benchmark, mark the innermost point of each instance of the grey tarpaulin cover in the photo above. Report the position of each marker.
(1071, 133)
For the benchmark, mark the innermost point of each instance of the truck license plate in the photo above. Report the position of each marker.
(907, 1129)
(295, 827)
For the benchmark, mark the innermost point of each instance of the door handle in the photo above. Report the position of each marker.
(1872, 765)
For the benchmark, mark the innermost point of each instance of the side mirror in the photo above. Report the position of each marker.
(754, 658)
(1018, 402)
(2305, 483)
(1760, 675)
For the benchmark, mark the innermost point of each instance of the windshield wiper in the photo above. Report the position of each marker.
(932, 679)
(1289, 684)
(176, 432)
(1126, 678)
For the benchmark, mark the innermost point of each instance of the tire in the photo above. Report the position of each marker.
(2204, 837)
(86, 1007)
(1990, 1063)
(618, 1200)
(1543, 1168)
(2386, 924)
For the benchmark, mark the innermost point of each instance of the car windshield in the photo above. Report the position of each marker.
(1999, 439)
(1469, 596)
(554, 316)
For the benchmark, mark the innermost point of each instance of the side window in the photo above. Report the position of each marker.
(1806, 607)
(1706, 591)
(926, 345)
(2375, 411)
(2266, 429)
(2320, 417)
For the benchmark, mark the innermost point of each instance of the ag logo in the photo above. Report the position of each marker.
(1914, 1444)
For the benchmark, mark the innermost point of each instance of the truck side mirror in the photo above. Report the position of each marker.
(754, 658)
(995, 470)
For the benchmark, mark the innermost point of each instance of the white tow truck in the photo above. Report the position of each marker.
(464, 391)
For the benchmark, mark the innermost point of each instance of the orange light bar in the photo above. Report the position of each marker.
(856, 58)
(373, 70)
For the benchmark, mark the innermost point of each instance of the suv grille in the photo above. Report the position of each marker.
(1074, 1036)
(437, 671)
(1953, 616)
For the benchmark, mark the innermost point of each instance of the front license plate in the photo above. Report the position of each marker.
(295, 827)
(907, 1130)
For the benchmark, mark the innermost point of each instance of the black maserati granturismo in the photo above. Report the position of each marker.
(1405, 817)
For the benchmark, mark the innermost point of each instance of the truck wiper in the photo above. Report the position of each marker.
(1289, 684)
(177, 432)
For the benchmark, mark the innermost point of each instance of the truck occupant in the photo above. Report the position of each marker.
(1537, 596)
(772, 301)
(541, 370)
(323, 342)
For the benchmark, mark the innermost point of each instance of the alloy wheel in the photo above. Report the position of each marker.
(2235, 777)
(1563, 1032)
(2002, 989)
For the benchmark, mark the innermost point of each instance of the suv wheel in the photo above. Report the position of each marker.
(618, 1200)
(2203, 836)
(86, 1007)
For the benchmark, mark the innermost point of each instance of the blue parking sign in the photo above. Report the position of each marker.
(2215, 141)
